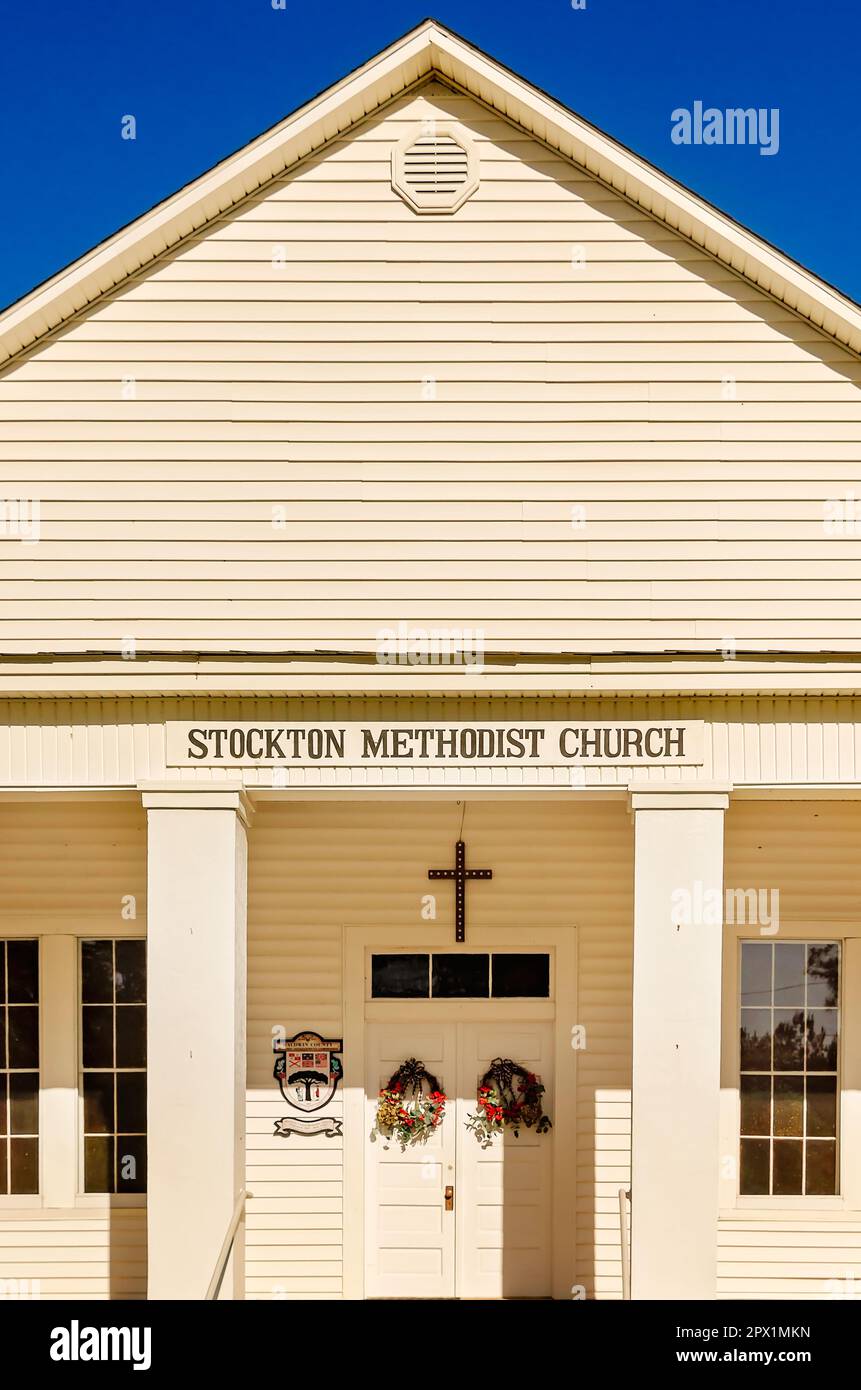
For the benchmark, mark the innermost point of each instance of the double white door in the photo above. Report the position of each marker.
(449, 1219)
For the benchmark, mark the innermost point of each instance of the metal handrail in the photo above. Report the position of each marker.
(624, 1199)
(221, 1263)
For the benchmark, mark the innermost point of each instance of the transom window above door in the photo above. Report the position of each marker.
(461, 975)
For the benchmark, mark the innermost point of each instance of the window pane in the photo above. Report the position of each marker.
(24, 1161)
(4, 1114)
(756, 1040)
(131, 1035)
(131, 1163)
(461, 977)
(754, 1167)
(521, 977)
(4, 1158)
(822, 970)
(97, 1028)
(23, 1036)
(755, 1104)
(2, 972)
(2, 1029)
(789, 1105)
(789, 1040)
(822, 1040)
(131, 1102)
(23, 981)
(787, 1168)
(789, 974)
(821, 1168)
(400, 977)
(821, 1105)
(99, 1102)
(131, 972)
(24, 1102)
(756, 973)
(97, 972)
(99, 1165)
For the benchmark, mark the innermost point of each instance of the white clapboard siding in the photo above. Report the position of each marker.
(73, 865)
(315, 867)
(74, 1254)
(427, 399)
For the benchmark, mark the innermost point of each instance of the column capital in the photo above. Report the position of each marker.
(681, 796)
(167, 796)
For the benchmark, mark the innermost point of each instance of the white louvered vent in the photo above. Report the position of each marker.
(436, 164)
(434, 169)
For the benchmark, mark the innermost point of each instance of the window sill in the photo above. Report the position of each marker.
(12, 1209)
(789, 1208)
(104, 1201)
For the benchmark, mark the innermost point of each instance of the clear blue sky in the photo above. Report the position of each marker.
(202, 77)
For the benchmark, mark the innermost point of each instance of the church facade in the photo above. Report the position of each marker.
(429, 728)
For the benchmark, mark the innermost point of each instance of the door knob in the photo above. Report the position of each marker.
(449, 1198)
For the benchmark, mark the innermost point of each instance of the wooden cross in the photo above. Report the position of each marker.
(460, 873)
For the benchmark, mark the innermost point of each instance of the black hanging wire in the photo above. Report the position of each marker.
(409, 1077)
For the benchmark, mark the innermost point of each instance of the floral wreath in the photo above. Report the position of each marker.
(406, 1112)
(509, 1096)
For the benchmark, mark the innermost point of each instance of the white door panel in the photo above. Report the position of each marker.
(409, 1236)
(497, 1241)
(505, 1208)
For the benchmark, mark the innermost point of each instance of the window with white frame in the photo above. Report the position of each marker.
(789, 1067)
(113, 1065)
(19, 1067)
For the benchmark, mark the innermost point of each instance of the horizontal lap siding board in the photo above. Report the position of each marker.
(807, 851)
(789, 1256)
(79, 1255)
(313, 868)
(79, 866)
(300, 385)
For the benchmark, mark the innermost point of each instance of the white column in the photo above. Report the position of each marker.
(678, 929)
(196, 913)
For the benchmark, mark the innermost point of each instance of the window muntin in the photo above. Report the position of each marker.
(460, 975)
(19, 1067)
(788, 1046)
(113, 1064)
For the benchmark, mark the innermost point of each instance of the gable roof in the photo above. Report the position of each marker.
(430, 49)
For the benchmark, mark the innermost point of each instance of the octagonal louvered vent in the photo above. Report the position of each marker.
(434, 170)
(436, 164)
